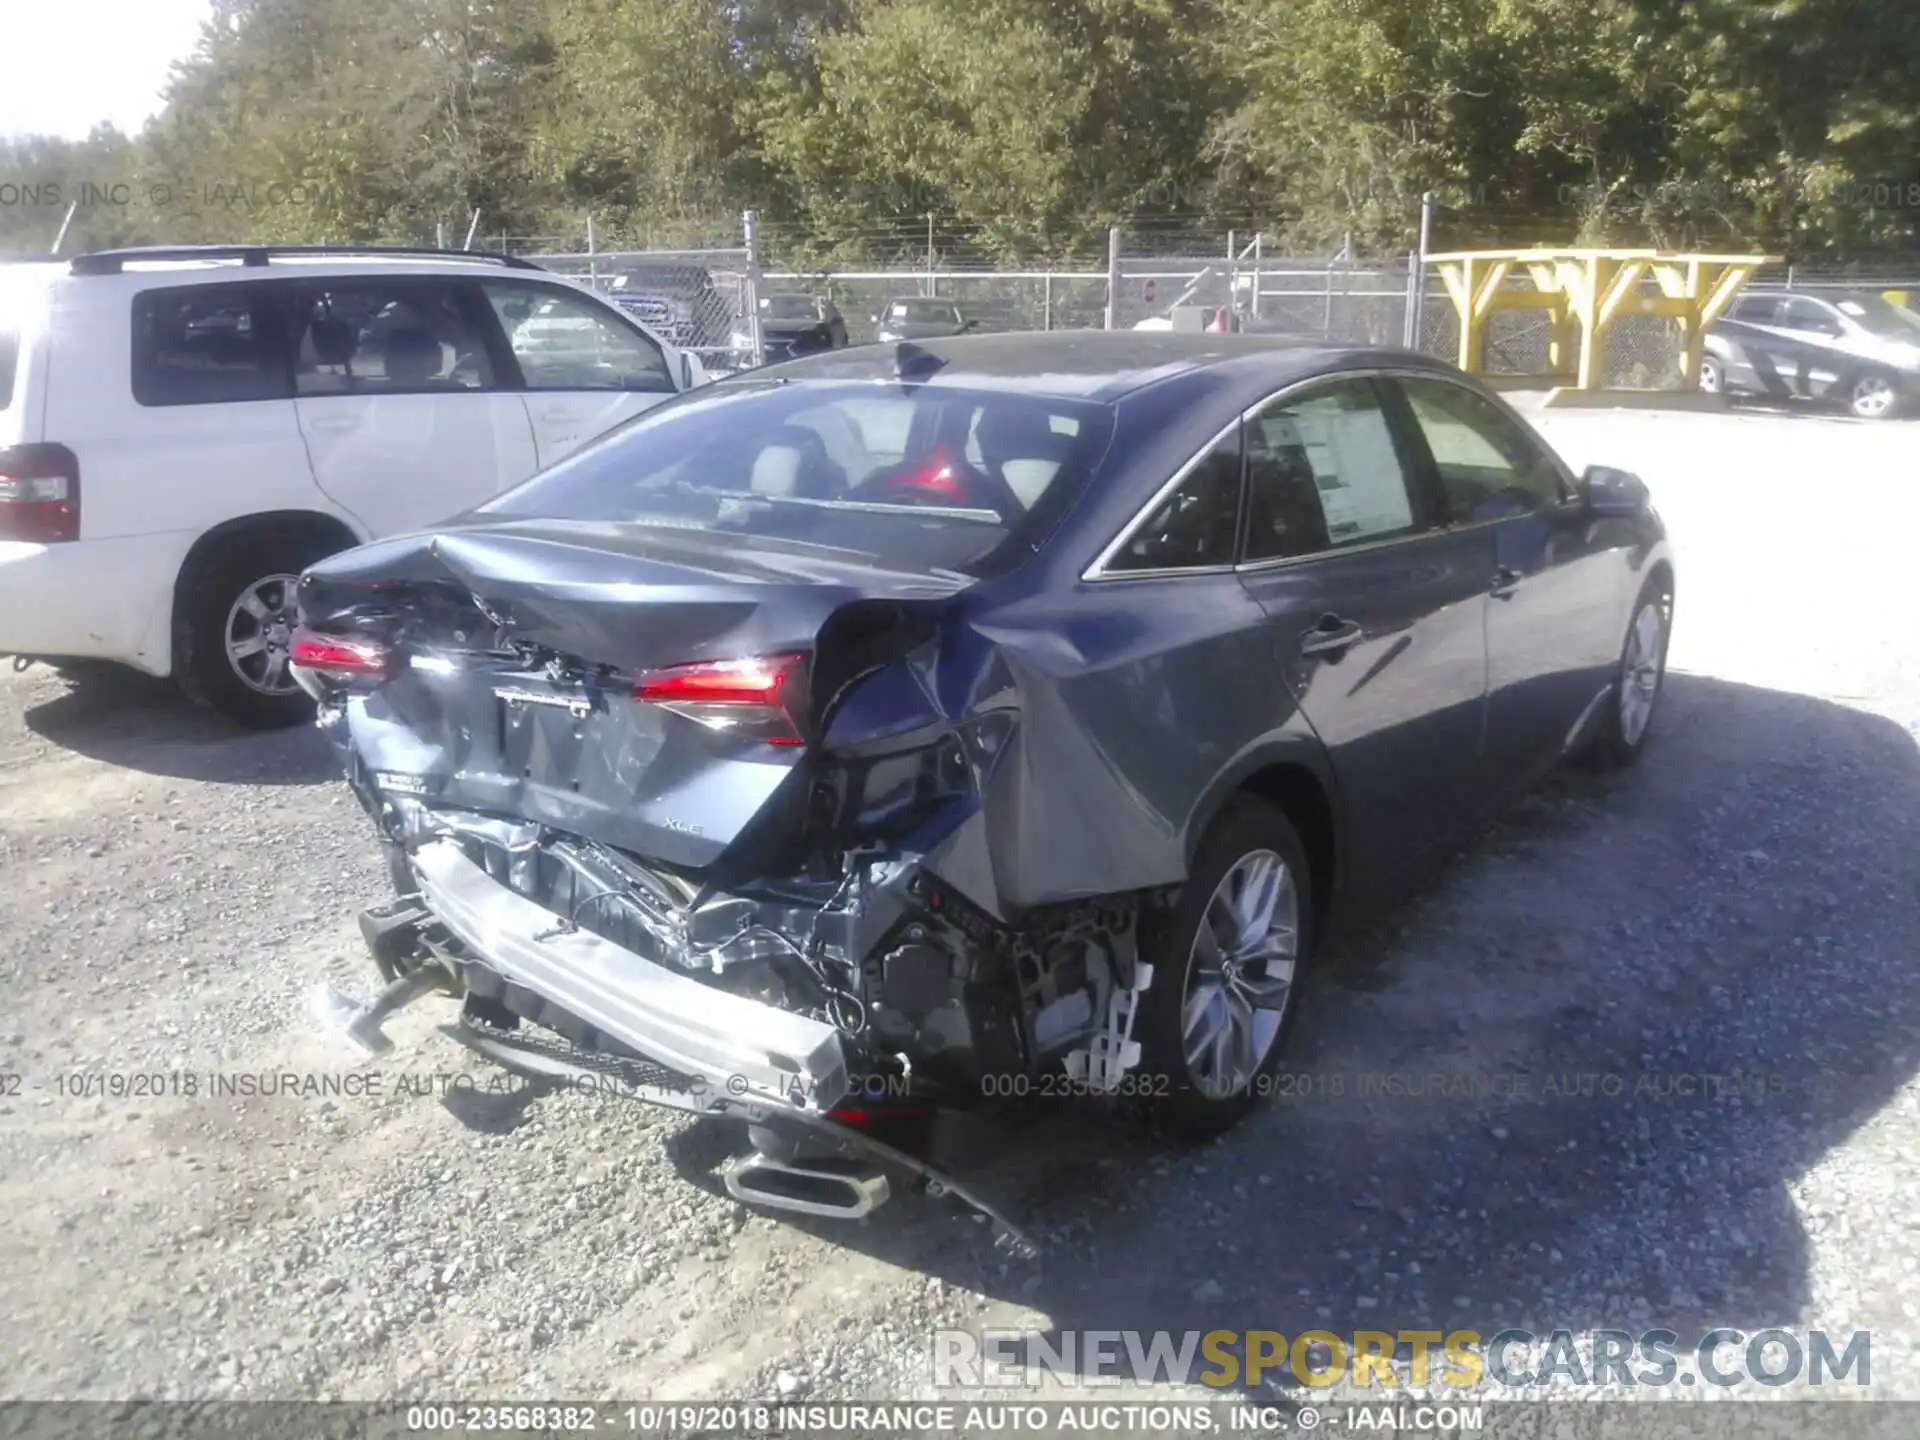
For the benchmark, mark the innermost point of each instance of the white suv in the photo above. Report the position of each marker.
(182, 431)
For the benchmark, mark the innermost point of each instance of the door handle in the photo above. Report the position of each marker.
(1506, 580)
(1331, 636)
(332, 422)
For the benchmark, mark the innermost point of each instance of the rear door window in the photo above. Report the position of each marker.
(1809, 317)
(373, 338)
(209, 345)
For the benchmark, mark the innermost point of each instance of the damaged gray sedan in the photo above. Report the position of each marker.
(910, 726)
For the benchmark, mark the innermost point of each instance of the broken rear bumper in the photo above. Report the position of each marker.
(731, 1045)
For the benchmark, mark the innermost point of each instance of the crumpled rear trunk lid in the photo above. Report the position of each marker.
(522, 645)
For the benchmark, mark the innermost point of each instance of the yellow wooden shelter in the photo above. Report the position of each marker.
(1584, 291)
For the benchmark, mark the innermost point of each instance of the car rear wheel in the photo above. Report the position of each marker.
(1643, 667)
(1713, 379)
(1228, 961)
(1873, 396)
(240, 626)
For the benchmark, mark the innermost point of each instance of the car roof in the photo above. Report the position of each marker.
(203, 264)
(1099, 365)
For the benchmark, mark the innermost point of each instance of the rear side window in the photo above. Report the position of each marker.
(1196, 526)
(207, 345)
(9, 362)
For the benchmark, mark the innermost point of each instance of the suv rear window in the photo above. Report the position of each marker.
(208, 345)
(912, 477)
(9, 361)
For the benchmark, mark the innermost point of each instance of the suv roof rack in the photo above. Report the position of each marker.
(111, 262)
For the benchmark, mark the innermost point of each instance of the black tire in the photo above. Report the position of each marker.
(220, 581)
(1171, 1101)
(1713, 375)
(1617, 744)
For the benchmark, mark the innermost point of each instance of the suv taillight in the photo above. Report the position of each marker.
(39, 493)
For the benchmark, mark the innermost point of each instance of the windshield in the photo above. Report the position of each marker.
(1882, 317)
(912, 477)
(922, 310)
(790, 307)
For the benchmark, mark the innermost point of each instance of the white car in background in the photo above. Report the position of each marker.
(183, 431)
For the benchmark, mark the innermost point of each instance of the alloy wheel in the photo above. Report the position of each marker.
(1640, 669)
(1872, 396)
(259, 634)
(1240, 974)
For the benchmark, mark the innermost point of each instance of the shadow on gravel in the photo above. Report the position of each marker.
(135, 721)
(1565, 1086)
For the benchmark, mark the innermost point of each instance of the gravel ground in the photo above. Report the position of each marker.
(1743, 903)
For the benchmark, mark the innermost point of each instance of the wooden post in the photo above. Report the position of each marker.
(1595, 273)
(1693, 333)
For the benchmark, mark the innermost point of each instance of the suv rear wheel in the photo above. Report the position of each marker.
(240, 619)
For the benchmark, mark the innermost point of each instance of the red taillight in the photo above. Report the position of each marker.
(937, 476)
(39, 494)
(755, 696)
(317, 659)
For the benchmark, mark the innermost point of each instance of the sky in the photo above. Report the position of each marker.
(74, 63)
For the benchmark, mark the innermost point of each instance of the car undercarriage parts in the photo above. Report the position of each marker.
(733, 1043)
(1112, 1052)
(360, 1024)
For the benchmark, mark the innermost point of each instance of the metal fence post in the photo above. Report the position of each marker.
(593, 266)
(1233, 275)
(750, 225)
(1046, 299)
(1258, 237)
(1113, 277)
(1410, 330)
(1420, 269)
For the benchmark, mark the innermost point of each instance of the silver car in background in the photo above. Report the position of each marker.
(1859, 349)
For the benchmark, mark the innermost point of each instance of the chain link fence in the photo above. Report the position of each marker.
(707, 299)
(698, 300)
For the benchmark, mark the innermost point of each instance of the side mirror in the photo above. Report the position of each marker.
(1606, 491)
(969, 324)
(692, 371)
